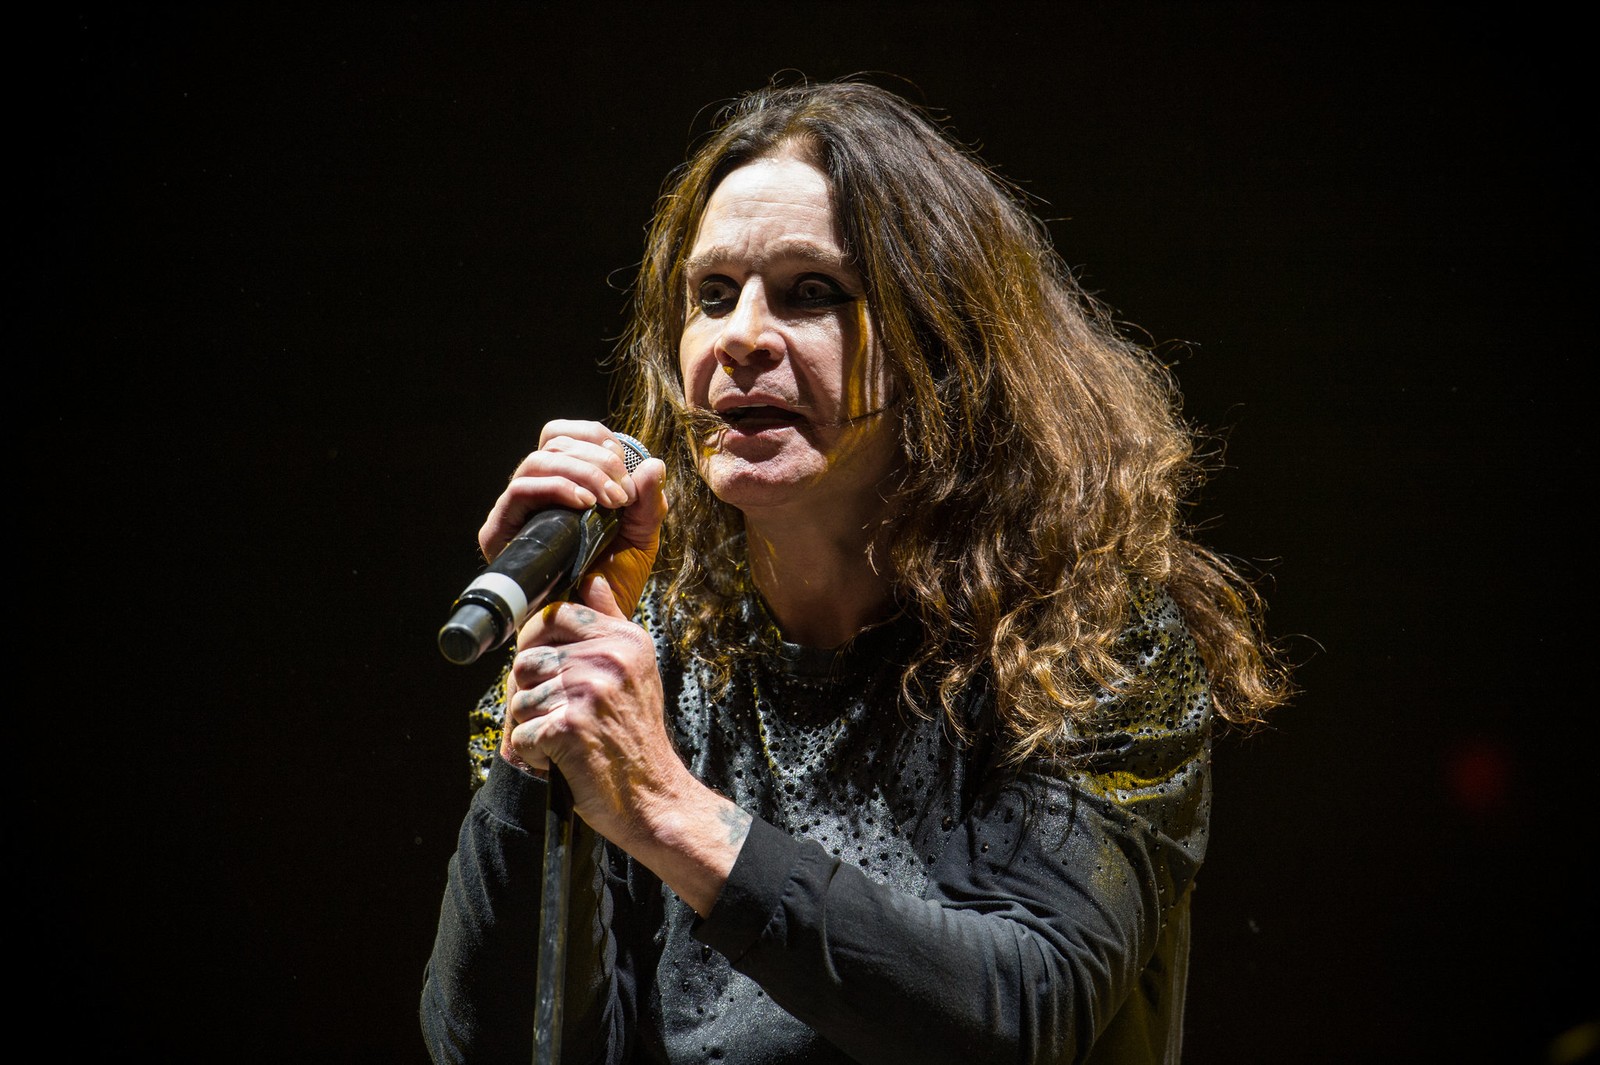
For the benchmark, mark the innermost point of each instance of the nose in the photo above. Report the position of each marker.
(750, 331)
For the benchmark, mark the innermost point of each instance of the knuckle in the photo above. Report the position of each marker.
(530, 667)
(604, 686)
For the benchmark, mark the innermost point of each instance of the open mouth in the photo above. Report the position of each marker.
(756, 418)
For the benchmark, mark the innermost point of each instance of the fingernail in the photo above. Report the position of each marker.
(616, 495)
(586, 497)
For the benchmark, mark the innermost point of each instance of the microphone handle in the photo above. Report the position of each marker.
(542, 563)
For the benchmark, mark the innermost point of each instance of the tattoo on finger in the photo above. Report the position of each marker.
(543, 698)
(544, 659)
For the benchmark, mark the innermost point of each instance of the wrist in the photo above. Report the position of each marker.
(692, 842)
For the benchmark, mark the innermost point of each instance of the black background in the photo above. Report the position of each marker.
(310, 280)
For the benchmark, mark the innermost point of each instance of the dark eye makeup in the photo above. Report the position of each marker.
(718, 295)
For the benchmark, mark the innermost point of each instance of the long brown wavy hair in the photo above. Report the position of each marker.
(1045, 458)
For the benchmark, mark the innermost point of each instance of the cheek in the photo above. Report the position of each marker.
(695, 365)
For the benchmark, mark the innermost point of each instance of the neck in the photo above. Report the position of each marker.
(819, 584)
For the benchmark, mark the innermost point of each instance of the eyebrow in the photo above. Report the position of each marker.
(785, 250)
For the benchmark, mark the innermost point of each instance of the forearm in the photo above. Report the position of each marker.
(1020, 957)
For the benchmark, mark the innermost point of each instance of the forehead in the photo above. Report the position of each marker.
(774, 198)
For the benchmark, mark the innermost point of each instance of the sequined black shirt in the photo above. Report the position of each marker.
(900, 897)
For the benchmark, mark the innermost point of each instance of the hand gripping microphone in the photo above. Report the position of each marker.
(543, 562)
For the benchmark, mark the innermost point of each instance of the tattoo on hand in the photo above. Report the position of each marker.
(536, 700)
(583, 616)
(546, 659)
(737, 823)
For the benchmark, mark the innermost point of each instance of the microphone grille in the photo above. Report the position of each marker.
(634, 453)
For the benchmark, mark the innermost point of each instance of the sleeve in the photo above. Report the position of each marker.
(479, 989)
(1059, 903)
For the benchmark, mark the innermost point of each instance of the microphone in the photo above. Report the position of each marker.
(543, 562)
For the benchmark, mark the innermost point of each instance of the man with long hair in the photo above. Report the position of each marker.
(891, 735)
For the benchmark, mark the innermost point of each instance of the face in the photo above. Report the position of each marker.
(778, 345)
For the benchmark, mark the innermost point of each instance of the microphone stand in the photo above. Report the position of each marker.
(559, 826)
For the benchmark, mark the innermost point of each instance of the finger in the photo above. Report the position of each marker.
(536, 664)
(595, 592)
(533, 703)
(570, 473)
(522, 499)
(512, 747)
(577, 429)
(595, 469)
(641, 521)
(567, 622)
(562, 452)
(520, 745)
(548, 630)
(595, 443)
(579, 489)
(526, 711)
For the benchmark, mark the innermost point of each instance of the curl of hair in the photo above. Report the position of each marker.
(1045, 458)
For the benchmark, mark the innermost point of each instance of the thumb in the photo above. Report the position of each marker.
(596, 593)
(626, 567)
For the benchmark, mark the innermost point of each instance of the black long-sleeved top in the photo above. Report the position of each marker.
(900, 897)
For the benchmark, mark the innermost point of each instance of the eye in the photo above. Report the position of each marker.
(819, 290)
(716, 296)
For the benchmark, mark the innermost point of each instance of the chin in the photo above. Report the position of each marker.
(752, 485)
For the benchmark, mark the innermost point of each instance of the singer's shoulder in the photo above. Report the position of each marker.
(1164, 690)
(1167, 686)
